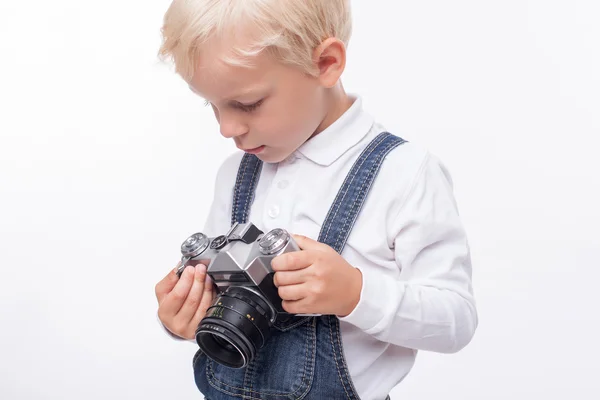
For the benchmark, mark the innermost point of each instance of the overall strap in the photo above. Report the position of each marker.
(354, 190)
(245, 186)
(348, 202)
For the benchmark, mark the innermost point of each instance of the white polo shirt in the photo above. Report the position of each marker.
(408, 242)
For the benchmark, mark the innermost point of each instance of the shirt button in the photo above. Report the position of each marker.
(273, 211)
(283, 184)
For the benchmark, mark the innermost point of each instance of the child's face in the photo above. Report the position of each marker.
(270, 106)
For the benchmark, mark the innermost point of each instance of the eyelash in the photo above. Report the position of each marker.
(242, 107)
(250, 107)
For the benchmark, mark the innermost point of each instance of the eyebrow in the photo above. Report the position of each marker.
(248, 91)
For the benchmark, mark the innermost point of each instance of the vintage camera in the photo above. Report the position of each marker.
(239, 321)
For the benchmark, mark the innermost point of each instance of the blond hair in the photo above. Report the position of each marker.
(288, 29)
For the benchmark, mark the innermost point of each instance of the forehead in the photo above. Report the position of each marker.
(216, 79)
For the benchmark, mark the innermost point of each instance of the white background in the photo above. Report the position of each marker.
(107, 163)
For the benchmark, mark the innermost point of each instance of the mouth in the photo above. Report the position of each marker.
(254, 150)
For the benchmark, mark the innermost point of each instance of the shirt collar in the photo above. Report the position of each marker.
(339, 137)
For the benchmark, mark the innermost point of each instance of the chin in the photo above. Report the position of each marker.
(271, 158)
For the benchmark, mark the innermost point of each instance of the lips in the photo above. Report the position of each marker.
(254, 150)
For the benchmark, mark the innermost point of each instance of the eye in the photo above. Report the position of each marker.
(249, 107)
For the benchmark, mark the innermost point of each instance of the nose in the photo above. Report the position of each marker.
(231, 125)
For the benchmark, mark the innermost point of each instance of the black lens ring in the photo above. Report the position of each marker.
(251, 302)
(261, 325)
(248, 295)
(229, 333)
(243, 319)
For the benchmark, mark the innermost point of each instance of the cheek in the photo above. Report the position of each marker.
(292, 115)
(288, 125)
(307, 117)
(275, 126)
(301, 113)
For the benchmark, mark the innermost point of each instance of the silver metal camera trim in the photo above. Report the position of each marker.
(278, 244)
(201, 249)
(250, 259)
(182, 265)
(235, 234)
(230, 235)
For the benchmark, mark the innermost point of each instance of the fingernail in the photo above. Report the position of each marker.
(202, 268)
(189, 269)
(277, 262)
(274, 262)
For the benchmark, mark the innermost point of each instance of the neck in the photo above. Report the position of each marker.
(338, 103)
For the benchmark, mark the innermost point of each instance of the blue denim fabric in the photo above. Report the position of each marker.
(245, 185)
(304, 357)
(352, 195)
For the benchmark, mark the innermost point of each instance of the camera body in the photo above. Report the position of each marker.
(241, 257)
(238, 322)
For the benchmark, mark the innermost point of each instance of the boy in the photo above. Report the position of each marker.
(390, 271)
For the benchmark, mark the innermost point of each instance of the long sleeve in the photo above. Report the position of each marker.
(430, 304)
(218, 218)
(211, 225)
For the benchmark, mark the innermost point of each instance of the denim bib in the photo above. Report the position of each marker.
(304, 357)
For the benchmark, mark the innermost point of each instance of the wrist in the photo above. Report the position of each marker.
(354, 291)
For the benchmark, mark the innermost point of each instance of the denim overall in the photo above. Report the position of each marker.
(304, 358)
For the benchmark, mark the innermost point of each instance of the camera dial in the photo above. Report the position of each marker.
(219, 242)
(273, 242)
(195, 245)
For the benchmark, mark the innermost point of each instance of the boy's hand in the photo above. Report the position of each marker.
(183, 301)
(316, 280)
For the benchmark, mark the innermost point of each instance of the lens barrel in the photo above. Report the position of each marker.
(235, 327)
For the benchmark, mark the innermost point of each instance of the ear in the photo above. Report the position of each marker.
(330, 59)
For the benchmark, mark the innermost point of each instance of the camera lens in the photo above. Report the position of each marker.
(235, 327)
(225, 344)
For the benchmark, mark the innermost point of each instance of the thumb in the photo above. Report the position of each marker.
(166, 285)
(306, 243)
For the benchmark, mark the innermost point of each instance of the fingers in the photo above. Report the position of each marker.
(192, 301)
(293, 261)
(286, 278)
(292, 292)
(174, 300)
(306, 243)
(164, 287)
(295, 306)
(208, 297)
